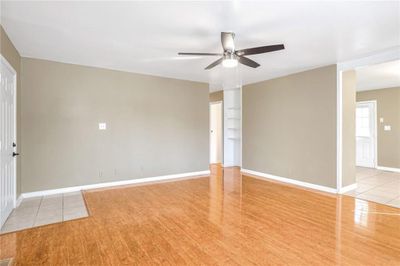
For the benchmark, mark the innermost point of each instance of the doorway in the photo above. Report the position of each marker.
(366, 134)
(369, 91)
(216, 134)
(7, 140)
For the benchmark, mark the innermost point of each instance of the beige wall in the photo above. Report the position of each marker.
(155, 126)
(289, 126)
(12, 56)
(388, 105)
(217, 96)
(349, 128)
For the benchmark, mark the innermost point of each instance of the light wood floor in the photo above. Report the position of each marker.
(222, 219)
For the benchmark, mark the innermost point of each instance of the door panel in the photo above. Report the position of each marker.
(7, 138)
(216, 133)
(365, 134)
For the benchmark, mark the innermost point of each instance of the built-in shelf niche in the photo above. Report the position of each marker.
(232, 127)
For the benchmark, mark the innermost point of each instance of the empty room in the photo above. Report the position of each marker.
(200, 133)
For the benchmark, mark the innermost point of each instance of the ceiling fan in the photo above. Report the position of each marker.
(230, 57)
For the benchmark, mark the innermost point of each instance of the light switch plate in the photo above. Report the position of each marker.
(381, 119)
(102, 126)
(387, 128)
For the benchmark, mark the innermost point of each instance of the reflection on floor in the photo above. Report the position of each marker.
(377, 186)
(39, 211)
(224, 219)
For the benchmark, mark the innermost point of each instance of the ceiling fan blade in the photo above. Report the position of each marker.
(227, 41)
(248, 62)
(260, 50)
(219, 61)
(207, 54)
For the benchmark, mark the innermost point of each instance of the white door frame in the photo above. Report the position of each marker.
(4, 61)
(382, 57)
(375, 123)
(222, 130)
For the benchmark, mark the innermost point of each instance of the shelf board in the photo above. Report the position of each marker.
(234, 128)
(237, 118)
(233, 138)
(233, 108)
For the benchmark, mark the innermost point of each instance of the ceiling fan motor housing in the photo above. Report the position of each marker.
(229, 56)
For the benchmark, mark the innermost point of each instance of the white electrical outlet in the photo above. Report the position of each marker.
(387, 128)
(102, 126)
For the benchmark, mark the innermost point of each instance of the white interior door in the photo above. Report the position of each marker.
(365, 134)
(216, 132)
(7, 140)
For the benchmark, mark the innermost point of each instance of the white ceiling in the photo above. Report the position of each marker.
(144, 37)
(380, 76)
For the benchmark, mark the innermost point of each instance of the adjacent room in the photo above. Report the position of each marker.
(376, 100)
(200, 133)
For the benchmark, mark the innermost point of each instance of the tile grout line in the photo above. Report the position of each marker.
(377, 174)
(385, 202)
(368, 177)
(5, 222)
(377, 186)
(369, 190)
(373, 175)
(40, 205)
(397, 198)
(37, 212)
(32, 224)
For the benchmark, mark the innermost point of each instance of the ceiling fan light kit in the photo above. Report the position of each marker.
(231, 57)
(229, 61)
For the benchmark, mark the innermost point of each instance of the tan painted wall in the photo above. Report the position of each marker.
(388, 105)
(11, 54)
(349, 128)
(155, 126)
(217, 96)
(289, 126)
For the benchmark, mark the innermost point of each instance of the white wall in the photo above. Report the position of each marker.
(216, 132)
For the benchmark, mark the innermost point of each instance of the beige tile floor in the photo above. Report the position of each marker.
(44, 210)
(377, 186)
(6, 262)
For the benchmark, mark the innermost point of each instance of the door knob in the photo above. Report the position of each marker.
(15, 154)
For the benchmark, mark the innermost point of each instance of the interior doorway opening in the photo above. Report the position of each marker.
(370, 168)
(216, 132)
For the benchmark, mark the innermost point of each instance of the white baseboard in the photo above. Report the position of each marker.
(115, 183)
(291, 181)
(347, 188)
(390, 169)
